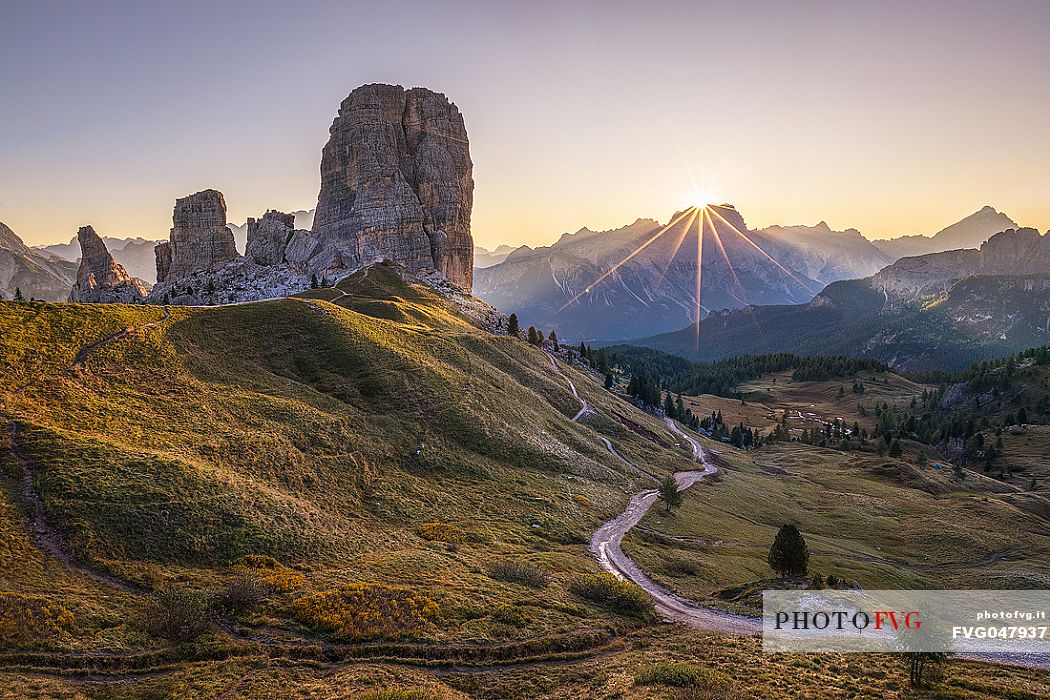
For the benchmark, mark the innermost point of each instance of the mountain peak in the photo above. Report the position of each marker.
(10, 240)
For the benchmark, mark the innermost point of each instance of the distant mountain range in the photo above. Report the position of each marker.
(136, 255)
(487, 258)
(35, 273)
(970, 232)
(655, 289)
(937, 311)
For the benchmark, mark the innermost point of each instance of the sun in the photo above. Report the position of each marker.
(702, 199)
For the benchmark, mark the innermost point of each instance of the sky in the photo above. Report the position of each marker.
(890, 117)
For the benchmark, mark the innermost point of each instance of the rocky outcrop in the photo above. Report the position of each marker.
(33, 273)
(199, 237)
(268, 237)
(396, 183)
(100, 279)
(1014, 252)
(163, 253)
(1020, 251)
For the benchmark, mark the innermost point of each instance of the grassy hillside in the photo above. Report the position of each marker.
(356, 475)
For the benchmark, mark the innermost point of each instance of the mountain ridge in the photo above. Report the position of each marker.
(937, 311)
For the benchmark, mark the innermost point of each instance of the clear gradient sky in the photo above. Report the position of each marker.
(891, 117)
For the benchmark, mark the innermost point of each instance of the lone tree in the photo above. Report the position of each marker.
(313, 281)
(669, 493)
(924, 667)
(789, 556)
(18, 294)
(512, 325)
(554, 340)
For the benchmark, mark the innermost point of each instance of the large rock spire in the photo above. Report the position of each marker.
(100, 278)
(396, 182)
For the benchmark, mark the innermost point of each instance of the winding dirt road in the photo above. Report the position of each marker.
(607, 540)
(606, 547)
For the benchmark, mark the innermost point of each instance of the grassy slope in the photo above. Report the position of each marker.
(169, 454)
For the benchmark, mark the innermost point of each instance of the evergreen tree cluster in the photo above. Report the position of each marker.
(722, 377)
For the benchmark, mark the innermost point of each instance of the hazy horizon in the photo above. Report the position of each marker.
(891, 119)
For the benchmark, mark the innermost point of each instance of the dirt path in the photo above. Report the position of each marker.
(606, 547)
(585, 407)
(606, 543)
(42, 533)
(612, 450)
(85, 352)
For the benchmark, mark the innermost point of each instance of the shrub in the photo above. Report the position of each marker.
(519, 572)
(398, 694)
(366, 611)
(178, 615)
(245, 592)
(442, 532)
(558, 532)
(582, 500)
(606, 589)
(272, 572)
(677, 566)
(30, 619)
(682, 675)
(510, 615)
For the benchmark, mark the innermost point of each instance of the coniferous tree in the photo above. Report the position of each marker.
(788, 555)
(602, 360)
(669, 493)
(554, 341)
(533, 337)
(512, 325)
(669, 406)
(313, 281)
(608, 380)
(18, 294)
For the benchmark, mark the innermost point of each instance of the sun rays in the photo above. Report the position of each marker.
(707, 220)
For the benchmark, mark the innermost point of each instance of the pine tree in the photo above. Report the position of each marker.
(669, 406)
(554, 340)
(512, 325)
(788, 555)
(669, 493)
(608, 380)
(534, 339)
(583, 350)
(895, 448)
(313, 281)
(602, 361)
(18, 294)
